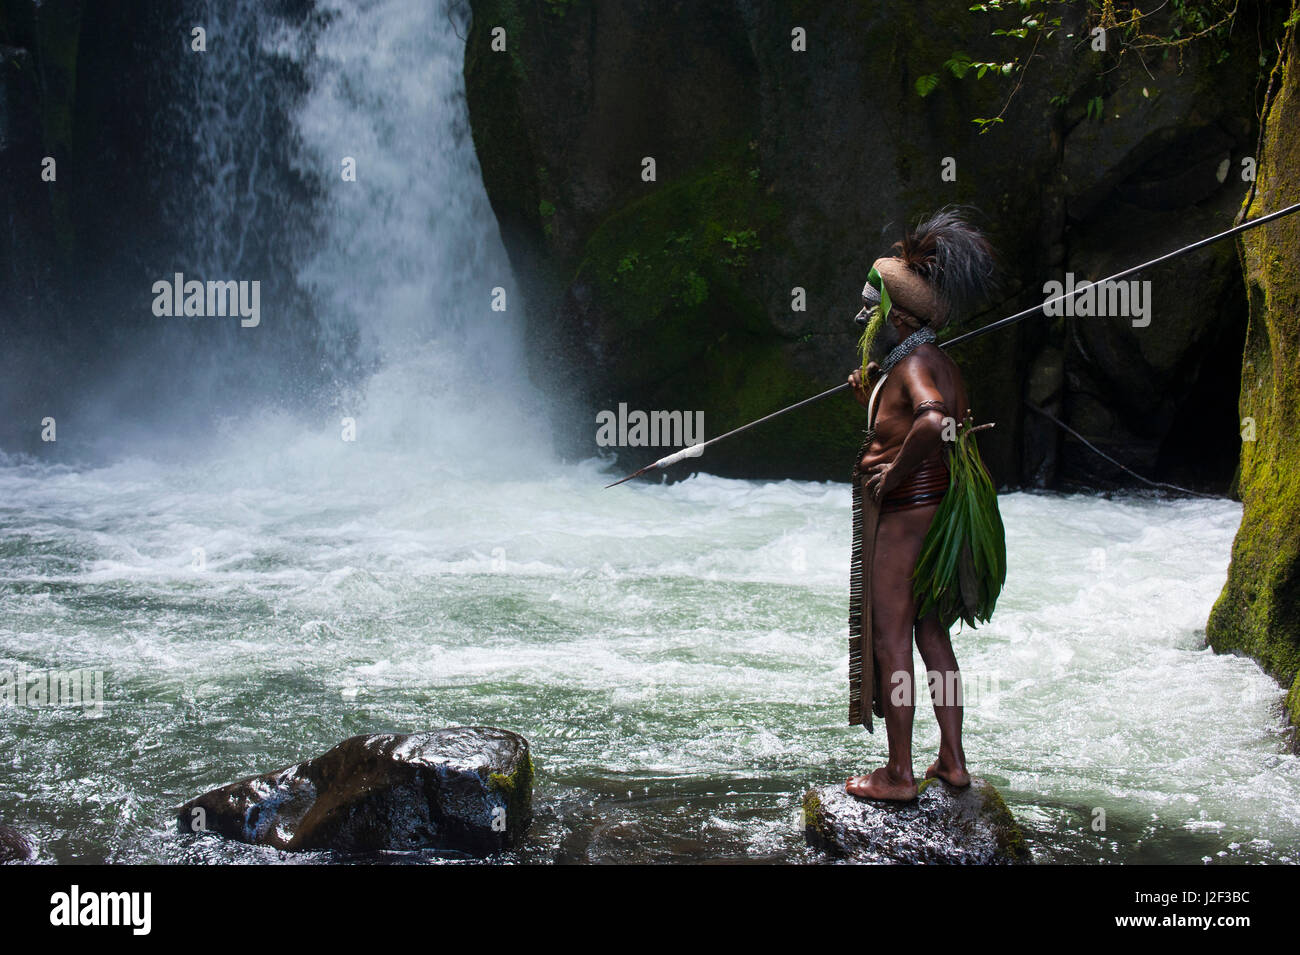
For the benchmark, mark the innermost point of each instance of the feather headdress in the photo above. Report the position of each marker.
(941, 269)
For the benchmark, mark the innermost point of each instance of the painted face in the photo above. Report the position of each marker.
(870, 300)
(879, 335)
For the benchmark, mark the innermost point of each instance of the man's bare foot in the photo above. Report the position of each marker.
(952, 775)
(882, 784)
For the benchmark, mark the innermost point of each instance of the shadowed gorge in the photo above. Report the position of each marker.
(780, 169)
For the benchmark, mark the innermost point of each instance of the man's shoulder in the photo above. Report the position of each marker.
(929, 367)
(926, 355)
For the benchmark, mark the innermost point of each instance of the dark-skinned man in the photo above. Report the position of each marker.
(914, 396)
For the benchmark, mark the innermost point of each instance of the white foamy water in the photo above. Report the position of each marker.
(676, 654)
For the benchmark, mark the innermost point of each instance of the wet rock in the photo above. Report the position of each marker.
(14, 846)
(944, 825)
(465, 789)
(1258, 612)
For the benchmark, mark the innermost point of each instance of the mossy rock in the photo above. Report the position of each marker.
(461, 789)
(944, 825)
(675, 275)
(1258, 612)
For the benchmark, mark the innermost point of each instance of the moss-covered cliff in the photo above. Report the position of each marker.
(1258, 612)
(781, 168)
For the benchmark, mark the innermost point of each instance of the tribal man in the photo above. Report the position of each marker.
(942, 268)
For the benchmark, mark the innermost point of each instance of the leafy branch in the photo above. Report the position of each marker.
(1183, 22)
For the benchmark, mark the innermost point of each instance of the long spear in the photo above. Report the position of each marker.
(695, 450)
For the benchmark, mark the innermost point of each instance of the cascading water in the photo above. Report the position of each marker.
(330, 158)
(676, 655)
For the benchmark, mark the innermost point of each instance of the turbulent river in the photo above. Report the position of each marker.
(676, 654)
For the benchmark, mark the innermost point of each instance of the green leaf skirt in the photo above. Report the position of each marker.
(963, 562)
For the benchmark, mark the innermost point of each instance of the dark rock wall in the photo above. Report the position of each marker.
(113, 91)
(779, 169)
(78, 83)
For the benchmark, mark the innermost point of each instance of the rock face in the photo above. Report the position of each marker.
(726, 284)
(944, 825)
(1258, 612)
(114, 96)
(14, 846)
(781, 174)
(465, 789)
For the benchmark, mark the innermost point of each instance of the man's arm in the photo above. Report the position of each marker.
(925, 436)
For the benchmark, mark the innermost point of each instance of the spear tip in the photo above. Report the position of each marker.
(634, 474)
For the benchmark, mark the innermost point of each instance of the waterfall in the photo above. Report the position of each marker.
(331, 159)
(411, 257)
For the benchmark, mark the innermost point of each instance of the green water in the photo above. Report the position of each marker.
(675, 655)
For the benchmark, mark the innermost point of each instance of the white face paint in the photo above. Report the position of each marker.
(870, 299)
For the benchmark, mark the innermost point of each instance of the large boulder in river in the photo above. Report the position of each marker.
(945, 825)
(465, 789)
(14, 846)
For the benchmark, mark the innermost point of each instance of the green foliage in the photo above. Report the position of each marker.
(558, 8)
(1181, 22)
(958, 64)
(963, 562)
(628, 263)
(744, 239)
(688, 244)
(961, 64)
(739, 243)
(694, 290)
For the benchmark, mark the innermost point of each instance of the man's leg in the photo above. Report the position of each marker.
(936, 650)
(898, 544)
